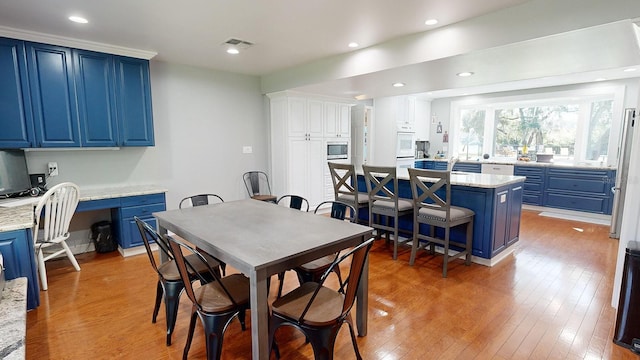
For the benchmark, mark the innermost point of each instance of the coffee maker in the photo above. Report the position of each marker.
(422, 149)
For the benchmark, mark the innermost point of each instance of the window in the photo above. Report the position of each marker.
(572, 128)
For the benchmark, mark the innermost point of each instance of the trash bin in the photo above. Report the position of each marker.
(102, 237)
(627, 332)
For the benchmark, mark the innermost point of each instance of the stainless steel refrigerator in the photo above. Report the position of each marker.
(622, 174)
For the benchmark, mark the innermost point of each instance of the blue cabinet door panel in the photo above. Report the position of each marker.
(16, 121)
(94, 77)
(467, 167)
(19, 261)
(134, 102)
(53, 95)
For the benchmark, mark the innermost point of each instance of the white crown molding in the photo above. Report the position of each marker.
(75, 43)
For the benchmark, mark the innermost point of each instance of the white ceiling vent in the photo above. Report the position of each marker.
(239, 44)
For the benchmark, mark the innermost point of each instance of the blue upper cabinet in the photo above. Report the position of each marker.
(53, 95)
(15, 106)
(94, 79)
(134, 101)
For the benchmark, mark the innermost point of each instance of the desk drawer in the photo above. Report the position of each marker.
(141, 211)
(142, 200)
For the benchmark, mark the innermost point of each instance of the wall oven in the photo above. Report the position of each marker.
(337, 150)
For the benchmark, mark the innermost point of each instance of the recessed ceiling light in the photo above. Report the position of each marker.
(233, 51)
(353, 44)
(78, 19)
(600, 79)
(464, 74)
(630, 69)
(431, 22)
(398, 84)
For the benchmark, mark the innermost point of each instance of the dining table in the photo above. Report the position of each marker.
(261, 239)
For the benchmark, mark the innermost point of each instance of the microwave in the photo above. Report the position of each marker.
(337, 150)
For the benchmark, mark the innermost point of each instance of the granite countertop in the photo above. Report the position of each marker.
(527, 163)
(488, 181)
(21, 217)
(13, 317)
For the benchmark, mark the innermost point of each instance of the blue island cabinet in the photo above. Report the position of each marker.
(19, 261)
(496, 224)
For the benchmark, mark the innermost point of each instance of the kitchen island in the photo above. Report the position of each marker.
(496, 201)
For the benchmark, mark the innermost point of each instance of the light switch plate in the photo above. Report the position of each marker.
(247, 150)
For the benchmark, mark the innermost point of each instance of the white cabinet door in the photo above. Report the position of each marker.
(298, 159)
(337, 120)
(331, 119)
(314, 118)
(306, 171)
(297, 117)
(344, 121)
(316, 164)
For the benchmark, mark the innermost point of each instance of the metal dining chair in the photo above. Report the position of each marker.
(200, 199)
(257, 184)
(319, 311)
(298, 203)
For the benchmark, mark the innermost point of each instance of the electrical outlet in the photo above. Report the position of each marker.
(53, 169)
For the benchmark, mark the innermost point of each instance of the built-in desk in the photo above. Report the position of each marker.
(125, 202)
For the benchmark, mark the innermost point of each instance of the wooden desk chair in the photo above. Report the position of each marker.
(434, 210)
(257, 184)
(384, 202)
(318, 311)
(345, 187)
(54, 212)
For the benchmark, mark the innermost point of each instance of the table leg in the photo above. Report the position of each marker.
(259, 315)
(163, 232)
(362, 306)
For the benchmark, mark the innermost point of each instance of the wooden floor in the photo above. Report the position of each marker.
(549, 300)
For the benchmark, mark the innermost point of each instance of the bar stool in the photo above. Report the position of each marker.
(432, 209)
(382, 188)
(345, 187)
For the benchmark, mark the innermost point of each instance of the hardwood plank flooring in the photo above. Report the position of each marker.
(550, 299)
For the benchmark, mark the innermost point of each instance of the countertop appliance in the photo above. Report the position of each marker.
(422, 149)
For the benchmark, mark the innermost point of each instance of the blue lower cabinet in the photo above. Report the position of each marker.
(19, 261)
(142, 206)
(468, 167)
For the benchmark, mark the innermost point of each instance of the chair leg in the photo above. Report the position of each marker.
(42, 270)
(396, 240)
(280, 283)
(415, 243)
(323, 341)
(349, 322)
(172, 292)
(214, 327)
(242, 315)
(72, 258)
(156, 307)
(192, 327)
(446, 252)
(469, 243)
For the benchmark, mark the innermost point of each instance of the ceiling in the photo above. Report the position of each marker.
(286, 34)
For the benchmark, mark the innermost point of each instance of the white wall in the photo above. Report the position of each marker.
(202, 119)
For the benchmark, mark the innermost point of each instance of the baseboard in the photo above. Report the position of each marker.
(135, 250)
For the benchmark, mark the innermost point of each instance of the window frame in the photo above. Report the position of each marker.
(583, 97)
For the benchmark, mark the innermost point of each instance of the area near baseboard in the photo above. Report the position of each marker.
(599, 219)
